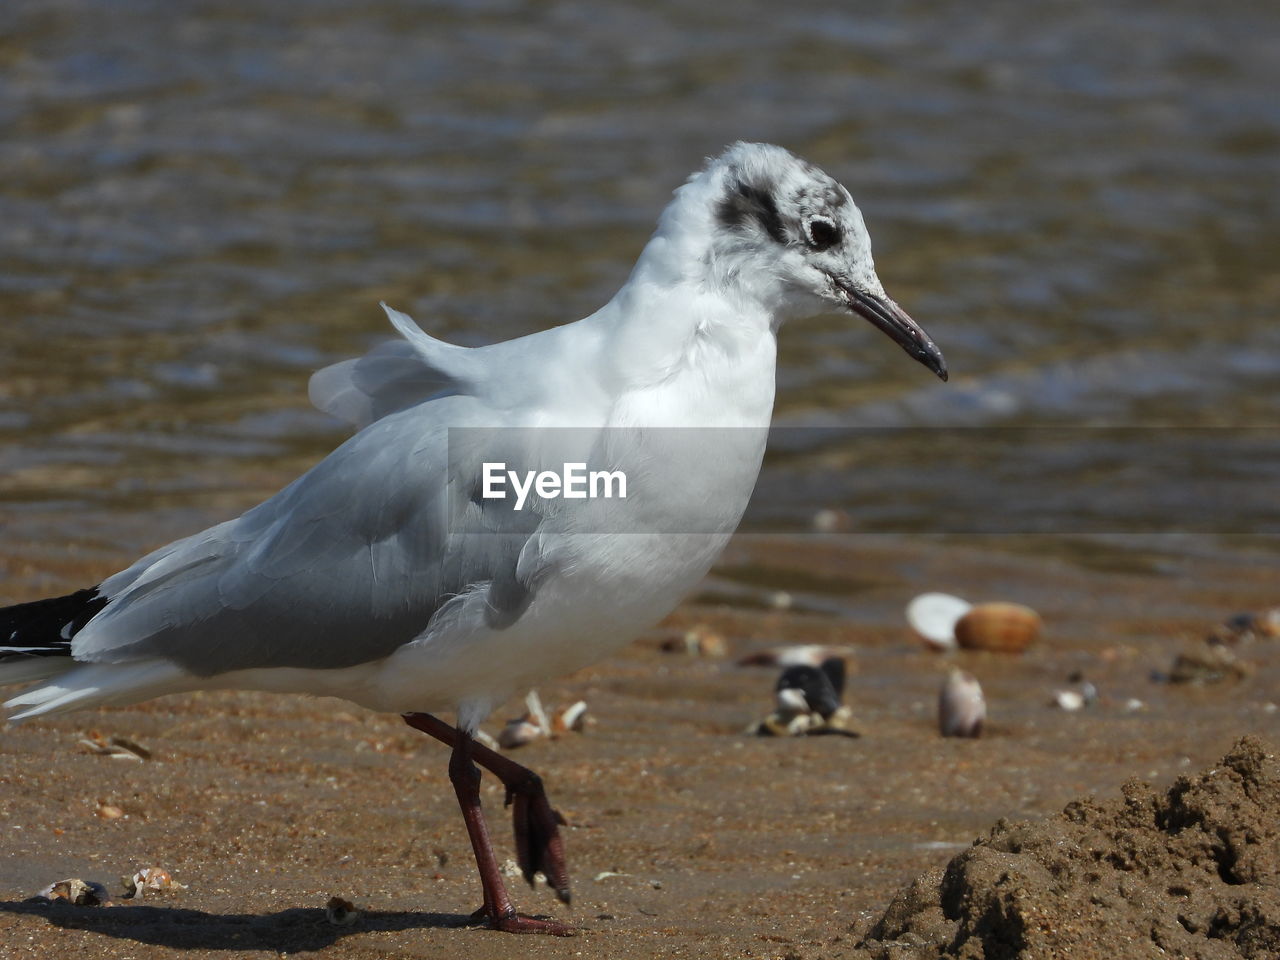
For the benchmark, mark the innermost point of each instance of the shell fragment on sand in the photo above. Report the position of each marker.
(118, 748)
(786, 724)
(149, 880)
(80, 893)
(962, 709)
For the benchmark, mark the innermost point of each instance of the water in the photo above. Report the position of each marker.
(201, 203)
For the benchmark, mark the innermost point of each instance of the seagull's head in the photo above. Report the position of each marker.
(785, 233)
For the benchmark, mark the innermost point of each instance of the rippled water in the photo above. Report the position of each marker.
(200, 203)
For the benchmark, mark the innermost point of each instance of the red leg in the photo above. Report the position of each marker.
(539, 846)
(466, 784)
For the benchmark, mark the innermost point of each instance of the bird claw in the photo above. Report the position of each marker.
(539, 846)
(520, 923)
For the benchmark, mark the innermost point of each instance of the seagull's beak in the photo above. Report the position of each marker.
(893, 320)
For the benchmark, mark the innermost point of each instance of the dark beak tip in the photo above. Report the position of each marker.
(891, 319)
(938, 364)
(932, 358)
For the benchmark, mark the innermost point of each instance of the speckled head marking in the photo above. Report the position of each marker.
(778, 231)
(746, 204)
(793, 203)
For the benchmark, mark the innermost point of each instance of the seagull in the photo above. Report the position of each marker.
(389, 576)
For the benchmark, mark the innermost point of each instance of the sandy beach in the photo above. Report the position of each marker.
(687, 837)
(202, 204)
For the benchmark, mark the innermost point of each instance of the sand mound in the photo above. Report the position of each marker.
(1192, 873)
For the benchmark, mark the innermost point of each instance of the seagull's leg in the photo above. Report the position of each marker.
(539, 846)
(466, 784)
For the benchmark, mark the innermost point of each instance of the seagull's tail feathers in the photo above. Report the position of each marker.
(392, 376)
(35, 645)
(27, 669)
(79, 686)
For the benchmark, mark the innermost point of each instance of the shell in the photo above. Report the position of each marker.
(704, 642)
(786, 725)
(700, 641)
(519, 732)
(534, 712)
(1001, 627)
(572, 717)
(108, 811)
(118, 748)
(962, 709)
(82, 893)
(933, 618)
(1068, 700)
(1267, 623)
(341, 912)
(149, 879)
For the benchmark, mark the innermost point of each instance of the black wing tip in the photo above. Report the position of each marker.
(44, 628)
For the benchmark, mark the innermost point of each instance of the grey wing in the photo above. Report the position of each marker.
(393, 375)
(342, 567)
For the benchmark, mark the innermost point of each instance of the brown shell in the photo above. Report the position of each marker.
(1000, 627)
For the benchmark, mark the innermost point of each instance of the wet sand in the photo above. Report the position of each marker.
(686, 837)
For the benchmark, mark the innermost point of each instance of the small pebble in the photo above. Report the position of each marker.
(831, 521)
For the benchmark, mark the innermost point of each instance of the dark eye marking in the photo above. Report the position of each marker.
(746, 203)
(821, 234)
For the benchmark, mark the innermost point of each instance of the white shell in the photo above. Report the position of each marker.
(962, 710)
(933, 617)
(572, 717)
(536, 715)
(1068, 700)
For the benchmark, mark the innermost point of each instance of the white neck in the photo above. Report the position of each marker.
(681, 301)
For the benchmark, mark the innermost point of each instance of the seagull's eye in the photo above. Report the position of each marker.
(821, 234)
